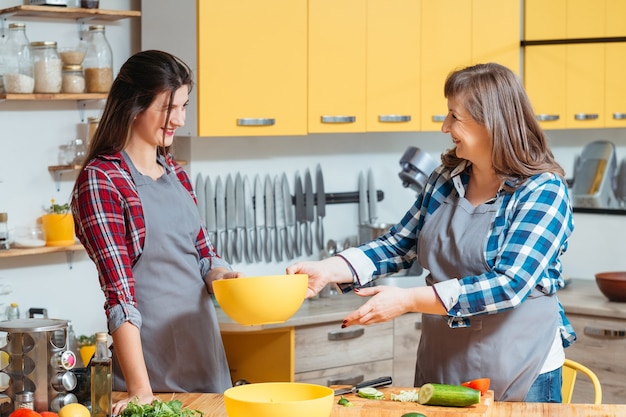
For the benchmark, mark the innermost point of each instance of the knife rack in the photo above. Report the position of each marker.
(341, 198)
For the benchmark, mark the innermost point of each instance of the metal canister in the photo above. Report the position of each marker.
(62, 400)
(64, 381)
(25, 399)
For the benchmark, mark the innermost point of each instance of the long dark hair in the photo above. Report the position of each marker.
(495, 97)
(142, 77)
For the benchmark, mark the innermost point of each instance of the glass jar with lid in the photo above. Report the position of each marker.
(98, 63)
(18, 62)
(73, 79)
(48, 67)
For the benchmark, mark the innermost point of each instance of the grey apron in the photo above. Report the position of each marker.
(180, 335)
(509, 347)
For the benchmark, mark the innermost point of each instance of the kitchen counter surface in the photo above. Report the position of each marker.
(212, 405)
(580, 296)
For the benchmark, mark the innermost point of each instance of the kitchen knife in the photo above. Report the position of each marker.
(211, 225)
(372, 383)
(363, 217)
(231, 221)
(270, 219)
(200, 197)
(300, 216)
(310, 216)
(280, 219)
(371, 196)
(289, 217)
(321, 206)
(240, 220)
(220, 217)
(248, 221)
(259, 219)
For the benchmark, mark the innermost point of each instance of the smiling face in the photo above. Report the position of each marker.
(470, 137)
(151, 126)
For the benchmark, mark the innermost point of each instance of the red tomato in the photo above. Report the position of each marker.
(480, 384)
(24, 412)
(48, 414)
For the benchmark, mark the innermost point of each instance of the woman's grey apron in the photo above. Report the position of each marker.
(180, 334)
(509, 347)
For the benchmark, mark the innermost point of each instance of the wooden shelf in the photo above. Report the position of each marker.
(69, 12)
(48, 96)
(11, 253)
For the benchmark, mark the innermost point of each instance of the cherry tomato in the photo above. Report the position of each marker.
(480, 384)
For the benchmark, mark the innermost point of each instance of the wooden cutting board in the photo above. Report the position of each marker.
(387, 408)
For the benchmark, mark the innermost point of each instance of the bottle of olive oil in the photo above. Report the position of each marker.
(101, 382)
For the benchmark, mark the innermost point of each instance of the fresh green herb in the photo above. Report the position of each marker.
(345, 402)
(84, 340)
(58, 208)
(158, 408)
(371, 393)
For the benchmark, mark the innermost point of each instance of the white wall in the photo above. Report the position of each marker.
(32, 132)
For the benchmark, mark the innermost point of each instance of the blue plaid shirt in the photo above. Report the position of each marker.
(529, 233)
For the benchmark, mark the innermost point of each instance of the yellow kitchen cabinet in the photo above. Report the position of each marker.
(584, 106)
(457, 33)
(615, 64)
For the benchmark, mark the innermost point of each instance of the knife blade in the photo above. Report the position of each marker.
(211, 225)
(231, 224)
(280, 218)
(270, 219)
(200, 197)
(372, 383)
(240, 220)
(309, 203)
(371, 196)
(363, 216)
(300, 215)
(220, 216)
(321, 206)
(289, 217)
(248, 221)
(259, 219)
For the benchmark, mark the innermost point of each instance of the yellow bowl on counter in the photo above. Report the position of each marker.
(279, 399)
(261, 299)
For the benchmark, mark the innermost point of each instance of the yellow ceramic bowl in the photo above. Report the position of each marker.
(262, 299)
(279, 399)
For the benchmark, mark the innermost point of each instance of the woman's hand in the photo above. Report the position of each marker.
(321, 273)
(119, 406)
(219, 273)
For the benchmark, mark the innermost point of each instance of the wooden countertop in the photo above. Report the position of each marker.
(581, 296)
(212, 405)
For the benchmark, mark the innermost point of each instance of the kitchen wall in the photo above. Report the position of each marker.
(68, 288)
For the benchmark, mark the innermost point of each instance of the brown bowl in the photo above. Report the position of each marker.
(612, 285)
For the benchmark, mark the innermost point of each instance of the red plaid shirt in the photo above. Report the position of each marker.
(109, 222)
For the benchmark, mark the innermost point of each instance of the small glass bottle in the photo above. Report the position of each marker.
(80, 152)
(93, 125)
(4, 232)
(48, 67)
(73, 79)
(101, 382)
(24, 399)
(13, 312)
(98, 62)
(18, 62)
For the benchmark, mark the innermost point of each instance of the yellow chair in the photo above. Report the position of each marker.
(570, 369)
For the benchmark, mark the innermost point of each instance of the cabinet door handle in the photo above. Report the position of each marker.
(585, 116)
(338, 119)
(547, 117)
(619, 116)
(394, 118)
(255, 121)
(439, 118)
(604, 333)
(350, 380)
(350, 334)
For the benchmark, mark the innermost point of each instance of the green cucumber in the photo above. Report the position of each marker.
(413, 415)
(448, 395)
(370, 393)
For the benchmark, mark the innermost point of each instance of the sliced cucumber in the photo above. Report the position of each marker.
(370, 393)
(448, 395)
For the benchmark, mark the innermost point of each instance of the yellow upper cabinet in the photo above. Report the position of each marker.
(615, 64)
(336, 91)
(457, 33)
(252, 67)
(393, 66)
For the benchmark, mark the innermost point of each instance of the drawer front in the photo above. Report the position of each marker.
(601, 346)
(330, 346)
(347, 375)
(406, 337)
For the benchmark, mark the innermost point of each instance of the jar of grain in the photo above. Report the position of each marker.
(18, 62)
(98, 62)
(73, 79)
(48, 67)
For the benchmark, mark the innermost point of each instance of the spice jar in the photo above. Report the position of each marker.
(73, 79)
(18, 62)
(92, 126)
(25, 399)
(98, 62)
(47, 67)
(4, 232)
